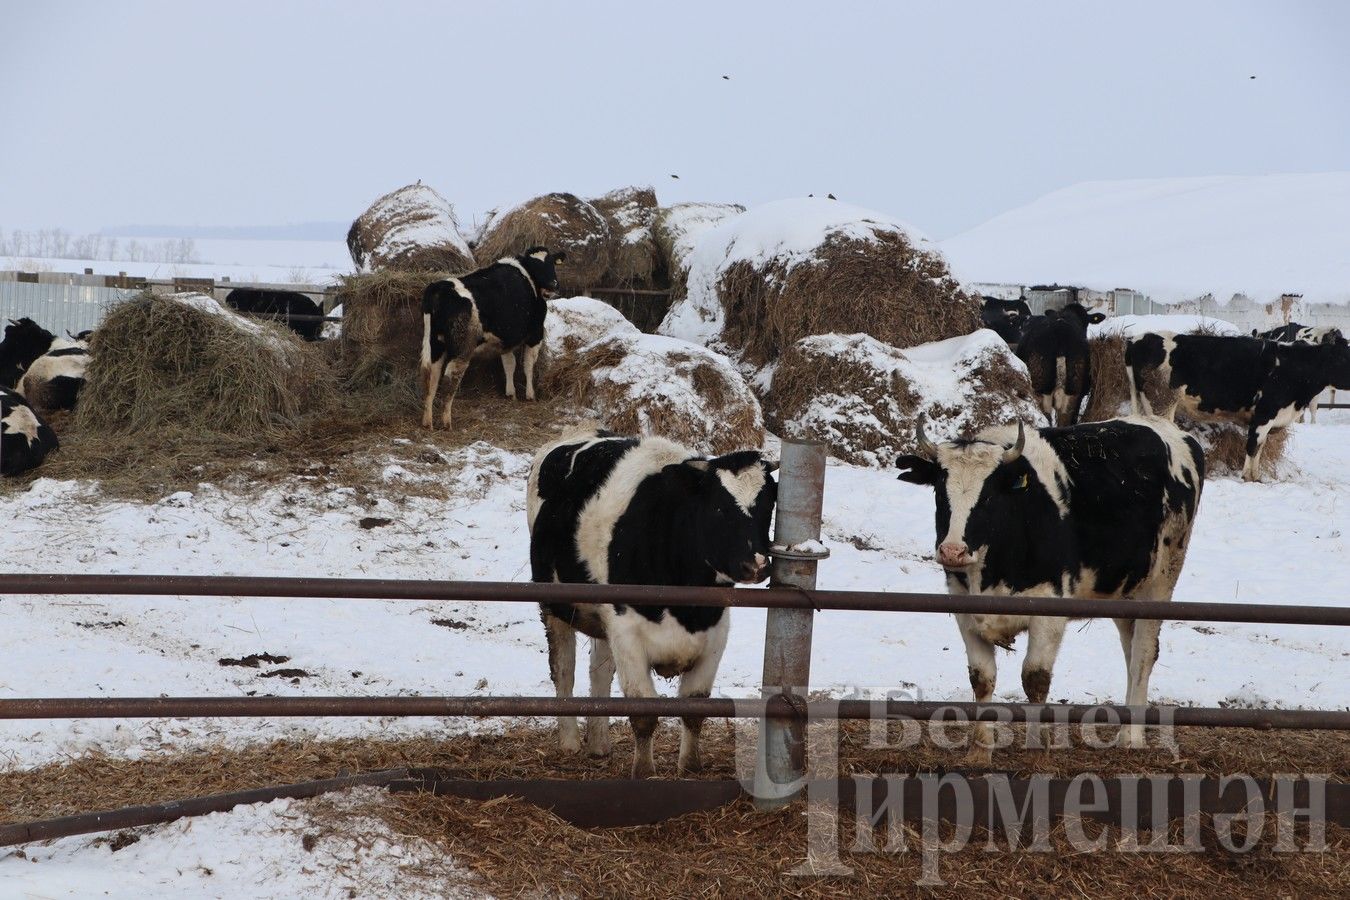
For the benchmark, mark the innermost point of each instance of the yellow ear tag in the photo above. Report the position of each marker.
(1021, 484)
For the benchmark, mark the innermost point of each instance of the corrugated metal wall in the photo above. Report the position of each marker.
(58, 307)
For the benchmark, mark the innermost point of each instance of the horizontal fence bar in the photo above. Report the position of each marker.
(658, 595)
(706, 707)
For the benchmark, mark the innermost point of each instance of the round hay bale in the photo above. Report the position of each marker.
(559, 222)
(184, 362)
(635, 261)
(762, 281)
(863, 397)
(636, 383)
(411, 229)
(381, 341)
(574, 322)
(675, 231)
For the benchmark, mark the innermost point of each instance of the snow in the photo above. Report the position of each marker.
(574, 322)
(1177, 323)
(245, 261)
(684, 223)
(332, 330)
(789, 231)
(1174, 239)
(426, 219)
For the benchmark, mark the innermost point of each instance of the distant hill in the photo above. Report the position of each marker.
(300, 231)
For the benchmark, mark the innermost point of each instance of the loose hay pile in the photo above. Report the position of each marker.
(183, 362)
(634, 262)
(863, 397)
(560, 222)
(675, 231)
(381, 341)
(648, 384)
(795, 268)
(413, 229)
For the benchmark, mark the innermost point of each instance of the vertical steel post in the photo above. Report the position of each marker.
(781, 758)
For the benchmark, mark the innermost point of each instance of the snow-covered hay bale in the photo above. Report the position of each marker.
(638, 383)
(863, 397)
(182, 362)
(631, 212)
(763, 280)
(676, 230)
(574, 322)
(411, 229)
(559, 222)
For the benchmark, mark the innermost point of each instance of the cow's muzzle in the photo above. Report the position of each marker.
(756, 570)
(548, 294)
(954, 556)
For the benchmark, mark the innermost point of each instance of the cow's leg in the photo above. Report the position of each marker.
(602, 679)
(431, 379)
(1047, 404)
(1143, 653)
(1044, 635)
(1312, 412)
(983, 673)
(509, 367)
(530, 354)
(562, 667)
(635, 679)
(1256, 445)
(454, 375)
(698, 682)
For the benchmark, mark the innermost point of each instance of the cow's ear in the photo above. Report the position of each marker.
(688, 474)
(559, 258)
(1097, 318)
(917, 470)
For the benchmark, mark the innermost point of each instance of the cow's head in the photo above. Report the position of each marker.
(1333, 336)
(540, 264)
(726, 505)
(1001, 505)
(25, 340)
(1079, 315)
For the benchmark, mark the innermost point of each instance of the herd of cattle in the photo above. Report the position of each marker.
(1262, 382)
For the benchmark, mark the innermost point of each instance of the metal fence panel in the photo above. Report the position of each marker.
(58, 307)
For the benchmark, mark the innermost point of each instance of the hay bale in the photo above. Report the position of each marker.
(764, 280)
(675, 232)
(1225, 446)
(574, 322)
(862, 397)
(560, 222)
(634, 263)
(636, 383)
(411, 229)
(381, 340)
(185, 363)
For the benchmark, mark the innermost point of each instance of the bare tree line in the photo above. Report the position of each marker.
(57, 243)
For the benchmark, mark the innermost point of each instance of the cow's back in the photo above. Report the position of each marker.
(509, 306)
(1131, 480)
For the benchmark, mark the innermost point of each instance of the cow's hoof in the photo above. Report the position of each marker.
(529, 398)
(691, 766)
(643, 768)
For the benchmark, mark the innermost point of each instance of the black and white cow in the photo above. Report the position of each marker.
(1007, 318)
(1055, 350)
(279, 306)
(24, 341)
(25, 440)
(1294, 333)
(1257, 383)
(500, 308)
(612, 510)
(1098, 510)
(55, 378)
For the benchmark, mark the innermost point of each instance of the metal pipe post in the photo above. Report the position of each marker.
(780, 768)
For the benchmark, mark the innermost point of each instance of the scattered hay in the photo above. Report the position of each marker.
(412, 229)
(560, 222)
(862, 397)
(1225, 446)
(649, 384)
(184, 362)
(675, 230)
(635, 261)
(885, 287)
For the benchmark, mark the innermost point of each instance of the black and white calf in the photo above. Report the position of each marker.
(1099, 510)
(1055, 350)
(25, 440)
(1257, 383)
(24, 341)
(611, 510)
(279, 306)
(1007, 318)
(501, 308)
(48, 371)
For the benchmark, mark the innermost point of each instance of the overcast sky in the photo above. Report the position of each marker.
(943, 114)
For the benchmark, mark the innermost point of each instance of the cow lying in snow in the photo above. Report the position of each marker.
(611, 510)
(1055, 349)
(48, 371)
(1101, 510)
(1260, 384)
(501, 307)
(25, 440)
(279, 306)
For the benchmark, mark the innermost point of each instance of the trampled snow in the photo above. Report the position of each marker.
(1174, 239)
(790, 231)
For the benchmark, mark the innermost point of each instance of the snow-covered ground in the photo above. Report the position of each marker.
(266, 261)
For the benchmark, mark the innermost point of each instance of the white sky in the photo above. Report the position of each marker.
(943, 114)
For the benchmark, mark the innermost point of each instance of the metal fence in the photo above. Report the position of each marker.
(59, 308)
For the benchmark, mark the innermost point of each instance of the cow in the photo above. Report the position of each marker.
(25, 440)
(279, 306)
(55, 378)
(1098, 510)
(1055, 350)
(24, 341)
(1294, 333)
(498, 309)
(1007, 318)
(605, 509)
(1257, 383)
